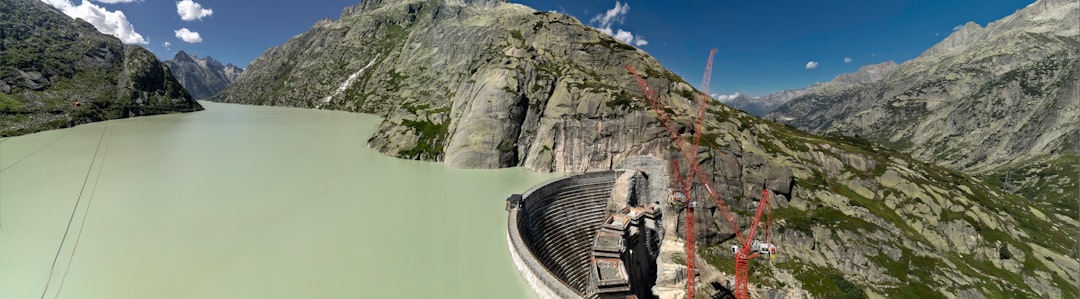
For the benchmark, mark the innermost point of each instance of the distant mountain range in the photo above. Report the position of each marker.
(202, 77)
(57, 72)
(760, 106)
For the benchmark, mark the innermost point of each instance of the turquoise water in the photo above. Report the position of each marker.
(247, 202)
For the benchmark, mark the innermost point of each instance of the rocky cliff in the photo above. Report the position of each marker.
(867, 73)
(982, 98)
(57, 72)
(202, 77)
(998, 102)
(485, 84)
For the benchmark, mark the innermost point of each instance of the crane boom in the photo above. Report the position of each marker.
(699, 124)
(691, 158)
(683, 182)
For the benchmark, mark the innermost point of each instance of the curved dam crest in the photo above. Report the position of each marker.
(589, 235)
(247, 202)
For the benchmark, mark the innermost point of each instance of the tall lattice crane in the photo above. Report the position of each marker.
(749, 246)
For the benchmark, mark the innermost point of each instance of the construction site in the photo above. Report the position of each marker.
(587, 236)
(599, 234)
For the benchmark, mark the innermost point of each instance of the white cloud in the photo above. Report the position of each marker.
(113, 23)
(617, 15)
(811, 65)
(191, 10)
(847, 59)
(624, 36)
(188, 36)
(606, 30)
(726, 97)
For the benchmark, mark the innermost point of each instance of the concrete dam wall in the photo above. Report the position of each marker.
(584, 237)
(551, 234)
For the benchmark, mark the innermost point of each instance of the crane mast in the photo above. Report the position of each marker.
(682, 185)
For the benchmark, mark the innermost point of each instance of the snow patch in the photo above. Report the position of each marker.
(348, 82)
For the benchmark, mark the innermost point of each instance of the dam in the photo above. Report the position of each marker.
(591, 235)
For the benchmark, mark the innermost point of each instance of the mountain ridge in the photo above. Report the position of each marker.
(57, 72)
(202, 77)
(760, 106)
(1021, 59)
(998, 102)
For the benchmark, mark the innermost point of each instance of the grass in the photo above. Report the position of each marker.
(9, 103)
(612, 44)
(1032, 180)
(549, 70)
(415, 108)
(666, 74)
(624, 101)
(825, 282)
(506, 146)
(913, 271)
(394, 80)
(827, 217)
(430, 144)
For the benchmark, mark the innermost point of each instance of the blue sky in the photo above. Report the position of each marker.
(763, 46)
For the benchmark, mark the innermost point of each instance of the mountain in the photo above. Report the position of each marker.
(998, 102)
(202, 77)
(58, 72)
(981, 98)
(488, 84)
(760, 106)
(866, 74)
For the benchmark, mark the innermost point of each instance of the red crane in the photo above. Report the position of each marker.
(749, 248)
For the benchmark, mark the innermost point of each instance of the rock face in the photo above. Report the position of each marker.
(59, 72)
(998, 102)
(867, 74)
(760, 106)
(202, 77)
(486, 84)
(980, 99)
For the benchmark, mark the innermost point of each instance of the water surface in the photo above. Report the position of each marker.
(246, 202)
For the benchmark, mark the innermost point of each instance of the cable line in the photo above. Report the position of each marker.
(73, 210)
(86, 214)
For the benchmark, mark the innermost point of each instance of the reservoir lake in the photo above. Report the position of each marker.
(247, 202)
